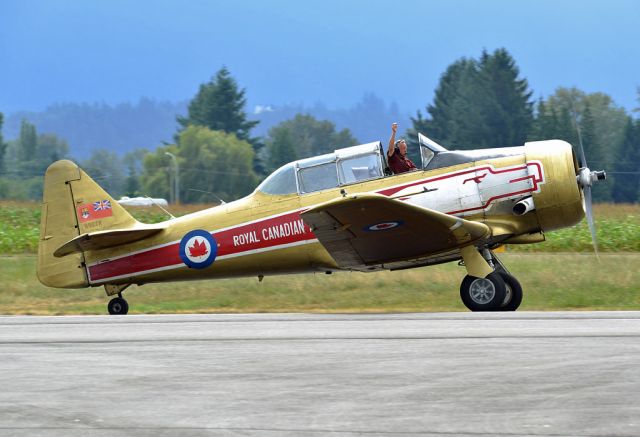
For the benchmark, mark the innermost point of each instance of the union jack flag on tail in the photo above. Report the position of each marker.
(94, 210)
(101, 205)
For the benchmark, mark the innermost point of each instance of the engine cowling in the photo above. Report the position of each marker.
(559, 202)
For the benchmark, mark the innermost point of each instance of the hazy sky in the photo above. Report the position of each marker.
(303, 51)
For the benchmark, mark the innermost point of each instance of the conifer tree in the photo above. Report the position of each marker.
(564, 126)
(544, 123)
(508, 110)
(28, 141)
(444, 121)
(219, 106)
(626, 185)
(449, 91)
(588, 134)
(595, 157)
(479, 104)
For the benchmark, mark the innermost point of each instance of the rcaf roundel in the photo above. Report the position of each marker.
(383, 226)
(198, 249)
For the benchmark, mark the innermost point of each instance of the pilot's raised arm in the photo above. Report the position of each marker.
(397, 154)
(392, 140)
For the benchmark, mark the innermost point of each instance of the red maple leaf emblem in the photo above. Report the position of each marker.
(198, 249)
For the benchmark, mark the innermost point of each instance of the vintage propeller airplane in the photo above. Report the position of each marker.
(339, 211)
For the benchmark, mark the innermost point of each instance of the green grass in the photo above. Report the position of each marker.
(20, 223)
(618, 229)
(615, 234)
(550, 282)
(19, 227)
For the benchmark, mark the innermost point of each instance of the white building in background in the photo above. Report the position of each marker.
(142, 201)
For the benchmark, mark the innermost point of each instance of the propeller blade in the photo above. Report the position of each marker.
(585, 179)
(589, 213)
(583, 158)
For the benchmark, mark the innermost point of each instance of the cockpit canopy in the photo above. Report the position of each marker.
(342, 167)
(428, 149)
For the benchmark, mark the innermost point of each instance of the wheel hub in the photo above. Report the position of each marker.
(482, 291)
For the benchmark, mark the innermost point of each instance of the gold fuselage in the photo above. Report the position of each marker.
(253, 238)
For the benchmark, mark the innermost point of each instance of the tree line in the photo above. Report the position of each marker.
(478, 103)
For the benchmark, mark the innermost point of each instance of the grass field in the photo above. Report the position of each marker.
(557, 274)
(618, 229)
(550, 282)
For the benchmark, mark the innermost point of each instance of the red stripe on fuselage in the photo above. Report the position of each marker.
(274, 231)
(148, 260)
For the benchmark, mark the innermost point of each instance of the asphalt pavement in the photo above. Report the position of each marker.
(440, 374)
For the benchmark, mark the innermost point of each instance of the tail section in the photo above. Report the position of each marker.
(73, 204)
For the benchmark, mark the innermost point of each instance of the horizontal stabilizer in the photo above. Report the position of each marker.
(104, 239)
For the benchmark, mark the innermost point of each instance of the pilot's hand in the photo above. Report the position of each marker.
(394, 127)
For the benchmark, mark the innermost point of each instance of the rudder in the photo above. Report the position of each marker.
(73, 204)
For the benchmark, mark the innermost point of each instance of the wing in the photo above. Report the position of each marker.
(103, 239)
(369, 229)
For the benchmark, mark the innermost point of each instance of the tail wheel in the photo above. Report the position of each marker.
(513, 297)
(118, 306)
(483, 294)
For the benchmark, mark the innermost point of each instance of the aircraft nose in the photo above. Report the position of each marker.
(586, 178)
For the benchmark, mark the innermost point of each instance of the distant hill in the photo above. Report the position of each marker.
(368, 120)
(88, 127)
(149, 123)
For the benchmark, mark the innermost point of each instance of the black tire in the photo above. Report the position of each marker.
(118, 306)
(483, 294)
(513, 297)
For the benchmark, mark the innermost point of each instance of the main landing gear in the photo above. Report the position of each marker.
(117, 305)
(488, 286)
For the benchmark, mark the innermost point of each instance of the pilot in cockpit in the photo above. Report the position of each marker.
(397, 153)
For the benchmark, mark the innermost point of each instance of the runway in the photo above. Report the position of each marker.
(441, 374)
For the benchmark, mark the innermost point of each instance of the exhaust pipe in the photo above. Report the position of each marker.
(524, 206)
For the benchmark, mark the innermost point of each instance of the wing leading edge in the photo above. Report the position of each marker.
(369, 229)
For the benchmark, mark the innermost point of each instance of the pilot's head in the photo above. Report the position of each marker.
(401, 146)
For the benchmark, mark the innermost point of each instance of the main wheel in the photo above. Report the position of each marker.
(118, 305)
(513, 297)
(483, 294)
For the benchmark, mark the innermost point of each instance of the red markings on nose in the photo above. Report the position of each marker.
(476, 179)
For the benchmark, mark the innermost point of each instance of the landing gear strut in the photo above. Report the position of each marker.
(492, 287)
(118, 306)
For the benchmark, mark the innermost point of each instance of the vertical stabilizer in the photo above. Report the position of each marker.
(73, 204)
